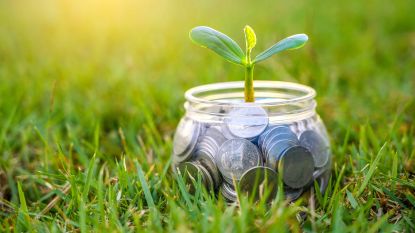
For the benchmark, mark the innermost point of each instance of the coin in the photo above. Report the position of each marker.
(262, 136)
(296, 165)
(190, 171)
(208, 180)
(259, 182)
(229, 193)
(207, 161)
(323, 181)
(318, 147)
(185, 139)
(276, 129)
(236, 156)
(215, 136)
(228, 180)
(319, 171)
(247, 122)
(274, 153)
(225, 132)
(206, 147)
(278, 137)
(292, 194)
(215, 133)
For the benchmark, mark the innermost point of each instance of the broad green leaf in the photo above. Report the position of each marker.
(292, 42)
(217, 42)
(250, 38)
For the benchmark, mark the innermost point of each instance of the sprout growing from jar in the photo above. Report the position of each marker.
(224, 46)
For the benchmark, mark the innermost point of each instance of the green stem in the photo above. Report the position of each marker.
(249, 84)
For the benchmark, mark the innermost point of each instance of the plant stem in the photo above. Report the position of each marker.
(249, 84)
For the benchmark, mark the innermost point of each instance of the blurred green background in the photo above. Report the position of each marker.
(72, 70)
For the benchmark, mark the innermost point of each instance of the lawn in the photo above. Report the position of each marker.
(91, 92)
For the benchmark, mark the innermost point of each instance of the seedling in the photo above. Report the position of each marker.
(224, 46)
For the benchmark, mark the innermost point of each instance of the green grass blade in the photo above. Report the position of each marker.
(144, 186)
(351, 199)
(371, 171)
(23, 219)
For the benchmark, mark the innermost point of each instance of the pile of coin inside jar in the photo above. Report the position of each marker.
(244, 150)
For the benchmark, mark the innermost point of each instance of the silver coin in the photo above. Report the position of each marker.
(272, 132)
(207, 148)
(292, 194)
(208, 180)
(323, 181)
(247, 122)
(185, 139)
(225, 132)
(279, 137)
(236, 156)
(274, 153)
(216, 134)
(296, 165)
(229, 193)
(190, 171)
(228, 180)
(319, 171)
(203, 151)
(259, 182)
(211, 140)
(262, 136)
(318, 147)
(213, 144)
(276, 129)
(207, 161)
(265, 133)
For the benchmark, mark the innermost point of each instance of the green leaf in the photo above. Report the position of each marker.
(218, 42)
(250, 38)
(292, 42)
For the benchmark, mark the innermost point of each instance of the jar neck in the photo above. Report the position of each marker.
(282, 101)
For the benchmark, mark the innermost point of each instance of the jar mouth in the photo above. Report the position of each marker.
(282, 101)
(282, 93)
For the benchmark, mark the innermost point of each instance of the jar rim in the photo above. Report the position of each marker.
(306, 93)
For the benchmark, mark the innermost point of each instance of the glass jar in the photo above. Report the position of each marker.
(226, 142)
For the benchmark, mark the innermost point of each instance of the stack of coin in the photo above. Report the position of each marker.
(246, 150)
(191, 171)
(228, 192)
(185, 139)
(282, 152)
(207, 150)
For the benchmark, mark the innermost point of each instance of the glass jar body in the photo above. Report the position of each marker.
(226, 142)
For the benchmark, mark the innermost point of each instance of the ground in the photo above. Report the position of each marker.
(91, 92)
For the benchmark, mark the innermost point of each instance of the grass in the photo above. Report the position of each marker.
(91, 93)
